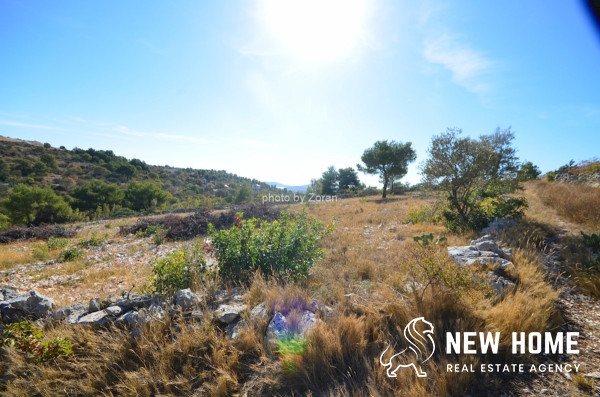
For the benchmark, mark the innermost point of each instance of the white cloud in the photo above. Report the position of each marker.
(27, 125)
(154, 135)
(467, 65)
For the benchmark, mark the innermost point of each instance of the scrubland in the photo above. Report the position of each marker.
(371, 282)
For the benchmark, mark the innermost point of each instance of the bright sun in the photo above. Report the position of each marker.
(316, 31)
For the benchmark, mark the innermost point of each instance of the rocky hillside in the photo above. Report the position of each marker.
(40, 164)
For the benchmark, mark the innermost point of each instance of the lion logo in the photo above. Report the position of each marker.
(418, 344)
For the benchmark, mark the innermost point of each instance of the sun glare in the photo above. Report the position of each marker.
(316, 31)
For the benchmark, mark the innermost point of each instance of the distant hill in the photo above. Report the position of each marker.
(64, 170)
(292, 188)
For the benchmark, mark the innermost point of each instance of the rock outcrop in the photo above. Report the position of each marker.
(490, 256)
(28, 306)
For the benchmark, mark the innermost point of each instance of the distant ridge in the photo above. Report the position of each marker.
(293, 188)
(65, 170)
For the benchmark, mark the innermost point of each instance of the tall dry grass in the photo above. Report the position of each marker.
(364, 279)
(576, 203)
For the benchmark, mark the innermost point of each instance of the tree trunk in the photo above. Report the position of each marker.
(385, 183)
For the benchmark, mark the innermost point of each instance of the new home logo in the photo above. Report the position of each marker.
(418, 334)
(420, 347)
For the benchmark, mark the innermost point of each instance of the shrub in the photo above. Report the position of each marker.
(93, 241)
(485, 211)
(57, 243)
(4, 222)
(178, 270)
(26, 337)
(424, 213)
(284, 248)
(592, 242)
(158, 232)
(430, 267)
(40, 252)
(70, 254)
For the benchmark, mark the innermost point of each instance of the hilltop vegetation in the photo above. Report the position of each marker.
(79, 184)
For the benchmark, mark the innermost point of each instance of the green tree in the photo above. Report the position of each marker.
(34, 205)
(22, 166)
(40, 168)
(243, 194)
(528, 172)
(147, 196)
(126, 171)
(315, 187)
(329, 181)
(388, 159)
(348, 179)
(474, 173)
(4, 170)
(96, 193)
(50, 161)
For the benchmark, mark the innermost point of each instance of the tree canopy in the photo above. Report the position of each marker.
(388, 159)
(31, 205)
(472, 171)
(348, 179)
(146, 196)
(96, 193)
(329, 181)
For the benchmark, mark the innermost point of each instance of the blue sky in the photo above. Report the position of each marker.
(280, 90)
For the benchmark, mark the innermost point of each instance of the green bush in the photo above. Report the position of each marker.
(485, 211)
(285, 248)
(429, 267)
(57, 243)
(70, 254)
(592, 242)
(158, 232)
(93, 241)
(40, 252)
(4, 222)
(26, 337)
(424, 214)
(178, 270)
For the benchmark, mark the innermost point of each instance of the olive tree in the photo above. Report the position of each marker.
(475, 174)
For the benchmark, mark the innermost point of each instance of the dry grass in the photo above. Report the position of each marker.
(532, 306)
(576, 203)
(363, 278)
(14, 254)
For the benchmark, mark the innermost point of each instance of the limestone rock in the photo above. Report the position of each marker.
(227, 313)
(234, 329)
(220, 295)
(280, 327)
(114, 311)
(71, 313)
(276, 330)
(30, 305)
(259, 312)
(187, 300)
(94, 305)
(307, 322)
(137, 302)
(96, 319)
